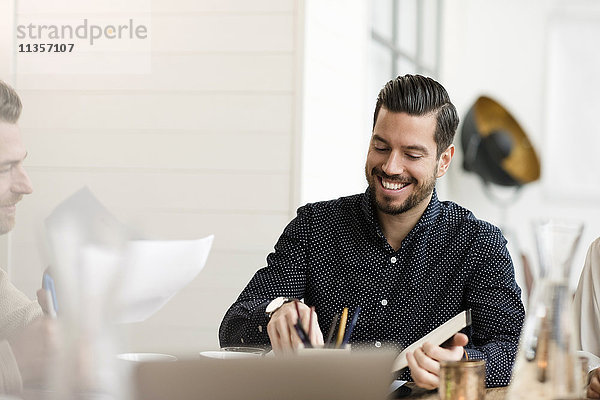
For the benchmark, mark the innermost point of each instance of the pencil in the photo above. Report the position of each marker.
(342, 328)
(332, 329)
(351, 327)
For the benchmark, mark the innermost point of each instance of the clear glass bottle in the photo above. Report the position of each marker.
(547, 364)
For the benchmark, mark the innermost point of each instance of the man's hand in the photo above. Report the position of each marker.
(282, 333)
(33, 348)
(424, 363)
(593, 390)
(44, 300)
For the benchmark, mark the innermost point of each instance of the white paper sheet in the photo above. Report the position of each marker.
(98, 268)
(155, 271)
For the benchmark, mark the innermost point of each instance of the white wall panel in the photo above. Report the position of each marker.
(229, 270)
(157, 6)
(228, 72)
(225, 6)
(88, 7)
(164, 150)
(216, 111)
(223, 33)
(164, 190)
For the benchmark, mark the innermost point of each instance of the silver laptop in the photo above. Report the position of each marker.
(347, 376)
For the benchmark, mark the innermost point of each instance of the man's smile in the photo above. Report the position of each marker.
(392, 185)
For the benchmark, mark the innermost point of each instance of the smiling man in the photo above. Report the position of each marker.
(408, 260)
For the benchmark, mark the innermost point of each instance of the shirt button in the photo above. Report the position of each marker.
(378, 344)
(393, 260)
(384, 302)
(260, 328)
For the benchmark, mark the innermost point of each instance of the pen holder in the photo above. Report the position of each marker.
(321, 350)
(464, 380)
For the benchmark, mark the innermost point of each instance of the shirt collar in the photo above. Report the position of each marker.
(368, 210)
(425, 222)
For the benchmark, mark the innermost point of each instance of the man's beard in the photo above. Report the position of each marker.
(420, 191)
(7, 222)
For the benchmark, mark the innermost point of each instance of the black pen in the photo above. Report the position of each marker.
(303, 337)
(300, 330)
(332, 329)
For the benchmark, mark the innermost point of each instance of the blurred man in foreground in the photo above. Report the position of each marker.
(25, 334)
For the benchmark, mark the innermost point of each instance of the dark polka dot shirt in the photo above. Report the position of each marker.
(334, 255)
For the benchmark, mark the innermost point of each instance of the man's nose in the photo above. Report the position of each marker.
(394, 164)
(21, 183)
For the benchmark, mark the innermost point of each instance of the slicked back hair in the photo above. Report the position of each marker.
(419, 95)
(10, 104)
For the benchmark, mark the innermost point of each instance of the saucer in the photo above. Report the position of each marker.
(145, 357)
(228, 355)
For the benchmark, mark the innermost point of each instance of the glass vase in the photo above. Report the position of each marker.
(546, 366)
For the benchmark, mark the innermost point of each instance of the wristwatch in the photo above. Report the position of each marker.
(276, 304)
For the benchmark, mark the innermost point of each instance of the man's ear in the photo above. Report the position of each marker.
(445, 160)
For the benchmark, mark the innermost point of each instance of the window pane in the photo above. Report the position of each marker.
(406, 28)
(381, 67)
(381, 18)
(406, 66)
(429, 27)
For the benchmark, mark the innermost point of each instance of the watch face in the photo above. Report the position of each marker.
(275, 304)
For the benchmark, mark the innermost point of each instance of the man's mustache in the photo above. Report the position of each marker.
(397, 178)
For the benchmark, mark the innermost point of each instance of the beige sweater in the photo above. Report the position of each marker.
(16, 311)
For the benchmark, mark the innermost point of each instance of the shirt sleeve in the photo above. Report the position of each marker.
(245, 323)
(496, 308)
(16, 309)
